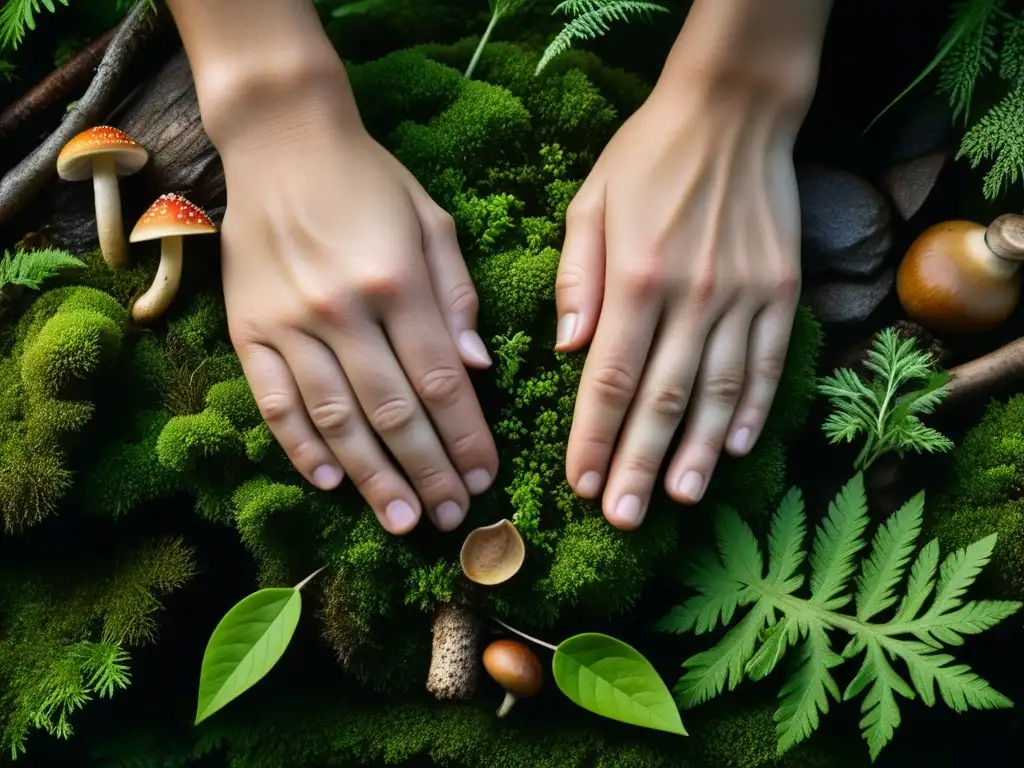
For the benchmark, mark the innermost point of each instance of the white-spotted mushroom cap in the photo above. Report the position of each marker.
(172, 215)
(74, 163)
(493, 554)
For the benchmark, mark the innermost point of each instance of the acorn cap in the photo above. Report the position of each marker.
(493, 554)
(171, 215)
(74, 163)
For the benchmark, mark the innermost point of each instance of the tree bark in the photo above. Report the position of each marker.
(164, 118)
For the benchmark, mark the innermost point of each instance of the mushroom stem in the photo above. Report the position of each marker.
(1005, 237)
(983, 376)
(108, 211)
(155, 301)
(506, 704)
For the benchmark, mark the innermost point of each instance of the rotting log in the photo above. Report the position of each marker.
(22, 184)
(1001, 370)
(164, 118)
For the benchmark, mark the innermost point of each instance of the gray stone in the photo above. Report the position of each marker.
(845, 222)
(911, 182)
(849, 301)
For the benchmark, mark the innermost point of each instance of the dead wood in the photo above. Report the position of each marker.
(998, 371)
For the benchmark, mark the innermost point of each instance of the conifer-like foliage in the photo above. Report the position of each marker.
(890, 622)
(591, 18)
(30, 268)
(887, 408)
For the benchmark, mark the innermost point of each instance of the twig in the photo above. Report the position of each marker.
(23, 182)
(56, 87)
(523, 634)
(988, 373)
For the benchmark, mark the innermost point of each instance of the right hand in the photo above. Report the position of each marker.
(353, 314)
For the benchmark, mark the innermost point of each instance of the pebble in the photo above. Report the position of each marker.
(910, 183)
(846, 300)
(845, 223)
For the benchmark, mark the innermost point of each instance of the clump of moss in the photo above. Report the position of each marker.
(985, 494)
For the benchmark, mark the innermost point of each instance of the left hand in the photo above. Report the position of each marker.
(681, 263)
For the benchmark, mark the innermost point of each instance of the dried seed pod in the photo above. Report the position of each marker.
(493, 554)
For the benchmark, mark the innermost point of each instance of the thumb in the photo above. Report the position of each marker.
(453, 287)
(579, 287)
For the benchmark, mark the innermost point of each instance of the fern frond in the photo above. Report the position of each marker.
(30, 268)
(1011, 57)
(998, 136)
(781, 623)
(974, 53)
(19, 16)
(592, 18)
(882, 409)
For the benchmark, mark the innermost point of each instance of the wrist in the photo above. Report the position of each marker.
(749, 48)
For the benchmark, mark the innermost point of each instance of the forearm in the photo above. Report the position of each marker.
(249, 57)
(773, 46)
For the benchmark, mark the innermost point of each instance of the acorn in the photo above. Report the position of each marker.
(962, 277)
(515, 668)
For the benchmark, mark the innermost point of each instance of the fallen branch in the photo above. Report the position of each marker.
(56, 88)
(23, 182)
(988, 374)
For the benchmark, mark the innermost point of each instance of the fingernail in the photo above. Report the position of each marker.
(400, 515)
(629, 511)
(448, 515)
(589, 485)
(477, 481)
(692, 485)
(566, 328)
(473, 346)
(740, 442)
(326, 477)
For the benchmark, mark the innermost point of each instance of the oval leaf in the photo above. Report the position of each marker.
(612, 679)
(245, 645)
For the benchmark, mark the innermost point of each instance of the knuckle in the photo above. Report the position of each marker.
(431, 479)
(392, 415)
(786, 284)
(274, 406)
(614, 383)
(440, 387)
(724, 385)
(703, 287)
(569, 278)
(441, 224)
(382, 283)
(328, 305)
(462, 299)
(642, 464)
(331, 415)
(770, 366)
(670, 401)
(579, 210)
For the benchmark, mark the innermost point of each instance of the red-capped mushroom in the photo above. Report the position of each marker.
(169, 219)
(104, 153)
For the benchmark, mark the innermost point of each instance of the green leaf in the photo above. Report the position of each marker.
(609, 678)
(246, 645)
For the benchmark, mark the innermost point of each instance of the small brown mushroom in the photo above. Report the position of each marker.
(493, 554)
(515, 668)
(169, 219)
(102, 154)
(958, 276)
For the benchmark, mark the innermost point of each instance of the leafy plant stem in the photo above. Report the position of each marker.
(483, 42)
(525, 636)
(309, 578)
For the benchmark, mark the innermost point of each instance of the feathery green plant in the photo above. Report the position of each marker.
(19, 16)
(30, 268)
(591, 19)
(883, 408)
(779, 620)
(499, 9)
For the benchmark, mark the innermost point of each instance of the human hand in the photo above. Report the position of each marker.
(681, 264)
(353, 314)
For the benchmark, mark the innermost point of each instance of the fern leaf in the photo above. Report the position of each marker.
(972, 55)
(805, 696)
(890, 552)
(957, 573)
(718, 596)
(30, 268)
(1011, 58)
(999, 137)
(592, 18)
(881, 713)
(960, 688)
(921, 582)
(836, 544)
(738, 546)
(19, 16)
(786, 544)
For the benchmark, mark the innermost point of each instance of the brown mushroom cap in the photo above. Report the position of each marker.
(514, 667)
(952, 279)
(74, 163)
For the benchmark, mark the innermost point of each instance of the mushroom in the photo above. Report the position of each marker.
(169, 219)
(104, 153)
(515, 668)
(493, 554)
(958, 276)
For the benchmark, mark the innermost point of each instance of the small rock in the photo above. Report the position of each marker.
(927, 128)
(911, 182)
(845, 222)
(849, 301)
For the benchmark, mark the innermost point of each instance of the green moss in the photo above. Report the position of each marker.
(983, 495)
